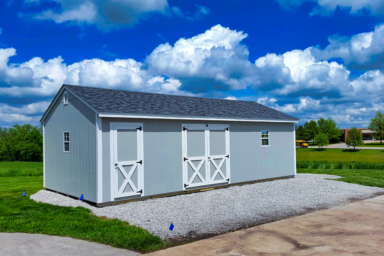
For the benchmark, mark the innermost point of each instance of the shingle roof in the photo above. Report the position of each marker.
(128, 102)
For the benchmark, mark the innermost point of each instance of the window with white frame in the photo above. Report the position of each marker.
(264, 138)
(65, 98)
(66, 141)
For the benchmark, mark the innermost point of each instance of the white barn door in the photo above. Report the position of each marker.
(126, 159)
(205, 154)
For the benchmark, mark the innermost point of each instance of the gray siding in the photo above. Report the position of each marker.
(163, 153)
(72, 173)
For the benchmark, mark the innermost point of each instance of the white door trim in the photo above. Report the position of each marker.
(208, 179)
(114, 126)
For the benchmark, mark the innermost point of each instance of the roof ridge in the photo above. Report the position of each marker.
(153, 93)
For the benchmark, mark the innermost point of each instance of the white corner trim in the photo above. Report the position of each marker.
(294, 147)
(99, 159)
(197, 118)
(44, 159)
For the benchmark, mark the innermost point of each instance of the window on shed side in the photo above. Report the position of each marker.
(264, 138)
(66, 141)
(65, 98)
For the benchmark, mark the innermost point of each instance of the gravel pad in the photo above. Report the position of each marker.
(222, 210)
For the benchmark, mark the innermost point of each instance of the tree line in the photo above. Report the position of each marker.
(21, 143)
(322, 131)
(325, 131)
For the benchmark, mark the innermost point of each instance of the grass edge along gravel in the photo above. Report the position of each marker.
(371, 178)
(22, 214)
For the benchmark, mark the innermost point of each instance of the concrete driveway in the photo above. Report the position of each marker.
(20, 244)
(356, 228)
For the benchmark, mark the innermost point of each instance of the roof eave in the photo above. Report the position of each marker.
(195, 118)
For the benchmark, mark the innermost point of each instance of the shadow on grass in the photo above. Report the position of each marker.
(351, 150)
(318, 149)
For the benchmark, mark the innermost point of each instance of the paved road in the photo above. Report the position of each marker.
(353, 229)
(15, 244)
(343, 145)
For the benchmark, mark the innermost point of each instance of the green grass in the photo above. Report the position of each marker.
(373, 178)
(13, 169)
(373, 144)
(340, 155)
(21, 214)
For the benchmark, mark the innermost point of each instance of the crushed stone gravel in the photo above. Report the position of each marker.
(222, 210)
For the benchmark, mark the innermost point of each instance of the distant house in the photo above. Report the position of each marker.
(115, 145)
(367, 134)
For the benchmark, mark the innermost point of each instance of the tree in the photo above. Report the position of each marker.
(21, 143)
(300, 132)
(311, 129)
(377, 125)
(321, 139)
(354, 138)
(329, 127)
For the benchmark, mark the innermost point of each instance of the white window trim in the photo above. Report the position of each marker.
(69, 144)
(269, 139)
(65, 102)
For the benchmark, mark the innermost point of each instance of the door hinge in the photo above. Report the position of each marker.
(138, 128)
(140, 191)
(185, 159)
(185, 185)
(206, 125)
(184, 129)
(227, 129)
(116, 164)
(140, 162)
(227, 156)
(227, 179)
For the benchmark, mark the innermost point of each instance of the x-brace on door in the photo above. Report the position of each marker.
(127, 163)
(206, 158)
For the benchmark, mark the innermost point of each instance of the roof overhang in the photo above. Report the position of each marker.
(194, 118)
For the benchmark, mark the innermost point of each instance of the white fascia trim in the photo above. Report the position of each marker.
(197, 118)
(99, 159)
(81, 100)
(57, 98)
(44, 159)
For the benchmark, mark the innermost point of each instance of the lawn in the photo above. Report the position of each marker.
(373, 144)
(12, 169)
(21, 214)
(373, 178)
(340, 155)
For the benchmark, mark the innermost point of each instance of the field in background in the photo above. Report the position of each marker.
(373, 144)
(13, 169)
(340, 155)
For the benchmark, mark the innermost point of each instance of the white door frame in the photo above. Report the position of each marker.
(208, 179)
(114, 126)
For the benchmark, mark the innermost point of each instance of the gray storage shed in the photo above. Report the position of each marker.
(115, 145)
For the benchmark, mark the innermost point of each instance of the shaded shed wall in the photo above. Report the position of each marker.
(72, 173)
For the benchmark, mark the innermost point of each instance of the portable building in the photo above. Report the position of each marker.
(115, 145)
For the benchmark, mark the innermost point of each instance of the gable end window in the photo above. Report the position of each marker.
(66, 141)
(264, 138)
(65, 98)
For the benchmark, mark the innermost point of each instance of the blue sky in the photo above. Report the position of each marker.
(307, 58)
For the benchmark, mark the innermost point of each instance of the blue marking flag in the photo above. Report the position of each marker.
(81, 197)
(171, 227)
(24, 193)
